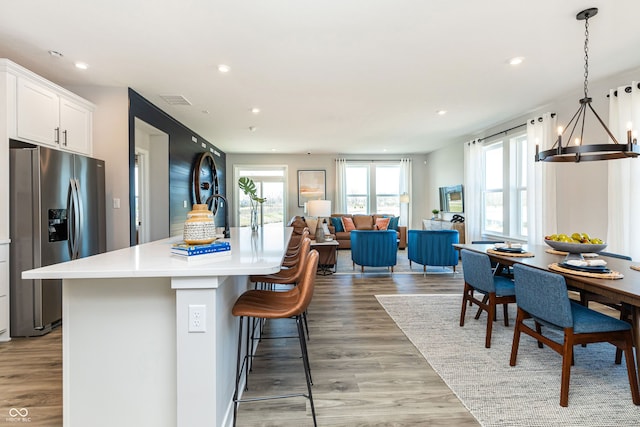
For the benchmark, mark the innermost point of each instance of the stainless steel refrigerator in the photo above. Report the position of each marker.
(57, 213)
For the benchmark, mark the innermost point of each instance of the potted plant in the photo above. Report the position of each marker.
(435, 213)
(248, 187)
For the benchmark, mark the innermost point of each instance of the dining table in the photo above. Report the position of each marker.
(624, 290)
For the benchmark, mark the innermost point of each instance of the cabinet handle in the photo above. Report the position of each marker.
(57, 137)
(64, 133)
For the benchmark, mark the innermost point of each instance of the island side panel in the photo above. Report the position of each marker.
(119, 352)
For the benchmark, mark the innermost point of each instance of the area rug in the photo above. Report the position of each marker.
(497, 394)
(345, 266)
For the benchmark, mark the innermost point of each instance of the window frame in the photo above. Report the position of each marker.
(371, 196)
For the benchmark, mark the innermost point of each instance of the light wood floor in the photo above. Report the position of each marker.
(366, 373)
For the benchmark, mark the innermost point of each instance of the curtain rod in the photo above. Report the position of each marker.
(626, 89)
(502, 132)
(376, 160)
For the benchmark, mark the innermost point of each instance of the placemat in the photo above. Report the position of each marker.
(609, 275)
(635, 267)
(557, 252)
(511, 254)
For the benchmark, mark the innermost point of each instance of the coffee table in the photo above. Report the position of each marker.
(327, 260)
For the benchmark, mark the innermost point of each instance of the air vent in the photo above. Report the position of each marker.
(175, 99)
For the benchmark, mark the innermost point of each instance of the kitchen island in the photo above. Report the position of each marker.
(148, 338)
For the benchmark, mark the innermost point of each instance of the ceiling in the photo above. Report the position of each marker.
(332, 76)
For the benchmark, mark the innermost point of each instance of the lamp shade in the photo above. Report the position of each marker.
(319, 208)
(404, 198)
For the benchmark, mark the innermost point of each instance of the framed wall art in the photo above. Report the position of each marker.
(311, 186)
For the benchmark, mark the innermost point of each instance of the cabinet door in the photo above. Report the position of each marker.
(75, 126)
(37, 113)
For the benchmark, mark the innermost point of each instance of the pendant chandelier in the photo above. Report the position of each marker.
(578, 151)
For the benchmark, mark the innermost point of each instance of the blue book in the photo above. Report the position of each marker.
(189, 250)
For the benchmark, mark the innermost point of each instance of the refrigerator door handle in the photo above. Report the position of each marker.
(71, 218)
(79, 220)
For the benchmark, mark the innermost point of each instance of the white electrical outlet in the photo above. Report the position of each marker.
(197, 318)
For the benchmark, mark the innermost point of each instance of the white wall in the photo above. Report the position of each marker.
(326, 162)
(111, 144)
(445, 167)
(582, 187)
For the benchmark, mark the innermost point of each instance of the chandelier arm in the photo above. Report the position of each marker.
(613, 138)
(574, 120)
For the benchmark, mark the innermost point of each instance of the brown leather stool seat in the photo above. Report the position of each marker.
(277, 305)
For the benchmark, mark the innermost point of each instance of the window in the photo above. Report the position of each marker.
(505, 188)
(373, 188)
(270, 183)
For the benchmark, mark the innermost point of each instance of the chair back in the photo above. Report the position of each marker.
(433, 247)
(306, 285)
(543, 295)
(374, 248)
(301, 257)
(476, 268)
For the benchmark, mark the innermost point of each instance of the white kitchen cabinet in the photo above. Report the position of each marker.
(52, 116)
(38, 113)
(75, 126)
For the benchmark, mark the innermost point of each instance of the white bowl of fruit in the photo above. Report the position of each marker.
(576, 243)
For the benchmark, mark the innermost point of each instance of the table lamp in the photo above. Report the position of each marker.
(319, 208)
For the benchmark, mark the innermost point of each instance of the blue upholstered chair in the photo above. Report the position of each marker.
(478, 276)
(433, 247)
(374, 248)
(542, 295)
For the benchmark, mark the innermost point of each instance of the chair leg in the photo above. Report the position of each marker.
(505, 309)
(567, 358)
(491, 315)
(238, 373)
(516, 338)
(467, 294)
(307, 370)
(485, 298)
(631, 369)
(539, 331)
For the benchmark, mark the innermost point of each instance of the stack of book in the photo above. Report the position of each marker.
(188, 251)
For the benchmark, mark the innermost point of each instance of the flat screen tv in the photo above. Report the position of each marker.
(452, 199)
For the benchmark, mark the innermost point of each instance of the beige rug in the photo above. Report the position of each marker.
(500, 395)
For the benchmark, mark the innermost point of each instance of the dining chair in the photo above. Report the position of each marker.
(543, 296)
(478, 276)
(276, 305)
(626, 312)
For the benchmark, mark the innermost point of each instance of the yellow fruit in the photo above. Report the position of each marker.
(576, 236)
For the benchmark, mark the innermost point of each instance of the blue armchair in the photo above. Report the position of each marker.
(374, 248)
(433, 247)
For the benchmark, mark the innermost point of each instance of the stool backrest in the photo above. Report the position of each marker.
(306, 284)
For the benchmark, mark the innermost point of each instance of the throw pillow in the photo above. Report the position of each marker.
(336, 221)
(393, 223)
(312, 223)
(347, 224)
(382, 223)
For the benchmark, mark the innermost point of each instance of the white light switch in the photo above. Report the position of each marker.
(116, 203)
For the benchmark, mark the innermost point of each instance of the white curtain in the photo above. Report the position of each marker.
(473, 173)
(623, 233)
(541, 180)
(340, 204)
(405, 187)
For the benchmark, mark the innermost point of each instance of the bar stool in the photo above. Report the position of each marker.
(277, 305)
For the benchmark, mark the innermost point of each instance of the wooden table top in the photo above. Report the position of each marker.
(625, 290)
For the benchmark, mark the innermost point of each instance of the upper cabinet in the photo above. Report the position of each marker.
(50, 115)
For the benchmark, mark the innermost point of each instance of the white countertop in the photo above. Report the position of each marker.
(5, 241)
(251, 253)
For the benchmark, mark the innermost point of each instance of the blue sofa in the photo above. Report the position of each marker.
(374, 248)
(432, 247)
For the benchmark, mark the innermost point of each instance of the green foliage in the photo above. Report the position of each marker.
(435, 211)
(248, 187)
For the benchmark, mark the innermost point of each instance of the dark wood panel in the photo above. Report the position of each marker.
(183, 152)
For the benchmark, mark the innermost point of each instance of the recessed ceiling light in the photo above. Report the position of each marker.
(224, 68)
(516, 61)
(441, 112)
(81, 65)
(55, 54)
(273, 149)
(255, 110)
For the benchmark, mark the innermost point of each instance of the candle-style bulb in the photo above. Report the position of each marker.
(559, 130)
(577, 141)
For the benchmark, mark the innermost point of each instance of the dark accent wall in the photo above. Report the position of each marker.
(183, 152)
